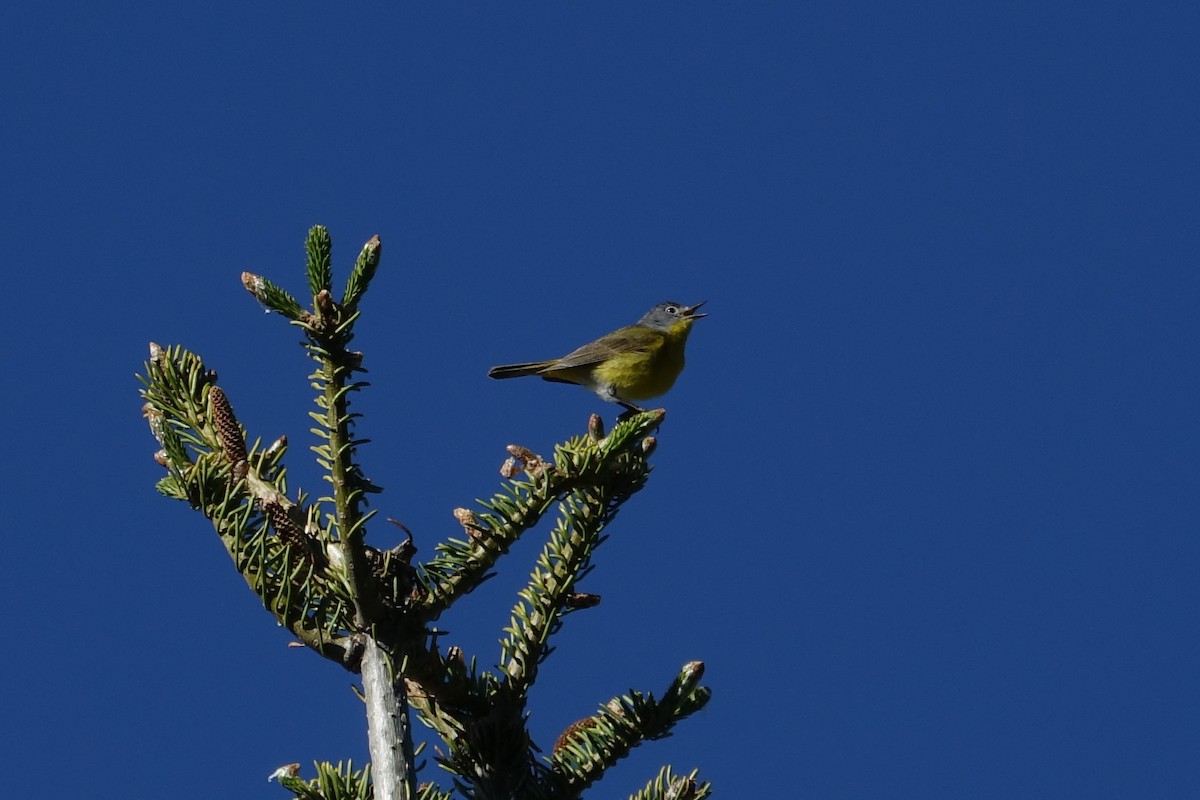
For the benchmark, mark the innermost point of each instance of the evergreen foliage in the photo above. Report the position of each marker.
(311, 566)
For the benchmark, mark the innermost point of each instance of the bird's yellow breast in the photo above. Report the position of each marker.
(650, 371)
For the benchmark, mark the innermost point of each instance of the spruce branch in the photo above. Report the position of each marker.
(591, 746)
(447, 689)
(669, 786)
(430, 791)
(333, 781)
(372, 610)
(564, 560)
(326, 345)
(481, 717)
(318, 267)
(328, 332)
(618, 463)
(363, 272)
(492, 755)
(488, 748)
(244, 493)
(272, 297)
(482, 724)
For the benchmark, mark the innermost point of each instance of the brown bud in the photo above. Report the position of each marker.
(324, 302)
(522, 454)
(374, 248)
(156, 420)
(682, 788)
(156, 353)
(254, 284)
(286, 771)
(649, 444)
(288, 530)
(532, 462)
(511, 468)
(596, 427)
(571, 730)
(471, 524)
(581, 600)
(233, 444)
(690, 675)
(161, 459)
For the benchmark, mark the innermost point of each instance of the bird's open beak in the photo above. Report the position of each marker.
(690, 311)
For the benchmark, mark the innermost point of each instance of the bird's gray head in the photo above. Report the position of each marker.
(667, 313)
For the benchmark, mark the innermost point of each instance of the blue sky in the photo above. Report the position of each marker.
(925, 499)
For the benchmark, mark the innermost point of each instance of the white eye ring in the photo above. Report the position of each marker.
(672, 310)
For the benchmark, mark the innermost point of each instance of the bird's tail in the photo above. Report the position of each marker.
(518, 370)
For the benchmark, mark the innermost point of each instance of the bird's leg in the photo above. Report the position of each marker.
(609, 395)
(630, 408)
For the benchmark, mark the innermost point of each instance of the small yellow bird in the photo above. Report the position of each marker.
(636, 362)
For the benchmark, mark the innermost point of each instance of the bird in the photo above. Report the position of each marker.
(637, 362)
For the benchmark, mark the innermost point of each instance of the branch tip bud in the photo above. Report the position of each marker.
(683, 788)
(156, 421)
(286, 771)
(530, 461)
(374, 247)
(471, 523)
(253, 284)
(690, 675)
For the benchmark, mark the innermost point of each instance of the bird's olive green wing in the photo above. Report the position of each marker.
(631, 339)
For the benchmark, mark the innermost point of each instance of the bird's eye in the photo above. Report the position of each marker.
(672, 310)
